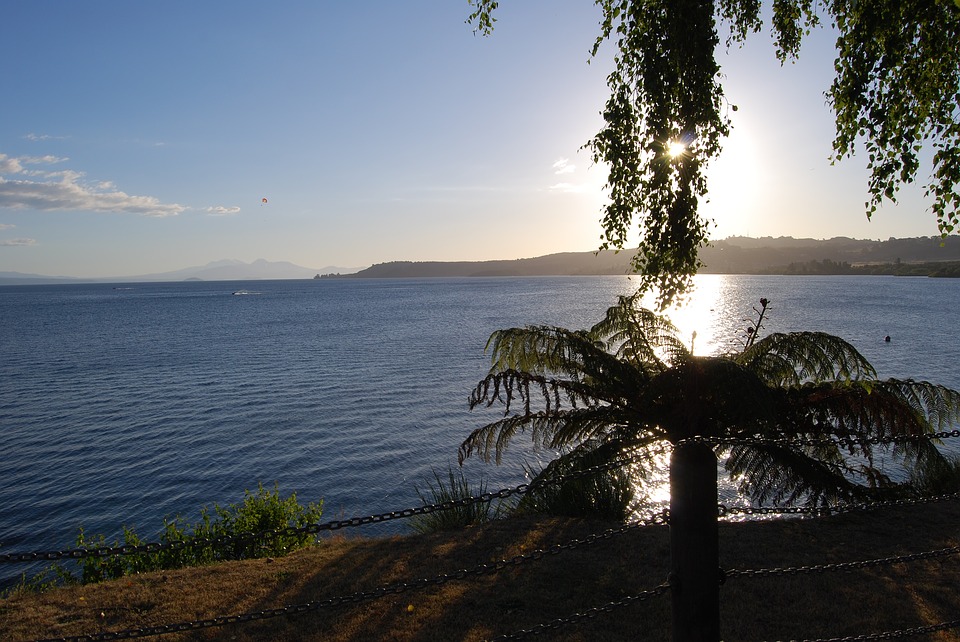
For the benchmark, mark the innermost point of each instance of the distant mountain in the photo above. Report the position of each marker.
(20, 278)
(224, 270)
(567, 263)
(232, 270)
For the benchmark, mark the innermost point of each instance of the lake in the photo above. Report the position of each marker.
(121, 404)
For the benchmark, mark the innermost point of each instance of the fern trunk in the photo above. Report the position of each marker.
(694, 546)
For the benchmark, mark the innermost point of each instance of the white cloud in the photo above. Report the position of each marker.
(220, 210)
(64, 190)
(16, 242)
(569, 188)
(563, 166)
(42, 160)
(10, 165)
(6, 226)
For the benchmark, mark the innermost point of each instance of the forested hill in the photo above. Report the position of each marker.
(735, 255)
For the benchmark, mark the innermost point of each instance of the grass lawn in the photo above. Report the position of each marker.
(478, 607)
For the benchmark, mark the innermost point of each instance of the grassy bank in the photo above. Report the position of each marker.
(797, 606)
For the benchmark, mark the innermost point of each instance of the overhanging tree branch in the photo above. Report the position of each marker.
(897, 91)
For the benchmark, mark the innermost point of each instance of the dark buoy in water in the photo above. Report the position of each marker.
(887, 338)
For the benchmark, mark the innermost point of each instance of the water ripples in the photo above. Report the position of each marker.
(122, 407)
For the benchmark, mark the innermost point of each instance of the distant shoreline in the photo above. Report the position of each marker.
(923, 256)
(920, 256)
(946, 269)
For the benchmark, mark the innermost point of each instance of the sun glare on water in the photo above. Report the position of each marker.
(699, 318)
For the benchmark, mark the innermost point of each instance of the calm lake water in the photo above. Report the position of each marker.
(122, 404)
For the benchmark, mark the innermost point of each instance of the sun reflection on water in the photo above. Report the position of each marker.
(653, 492)
(710, 319)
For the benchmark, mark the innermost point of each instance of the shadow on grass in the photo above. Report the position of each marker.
(816, 605)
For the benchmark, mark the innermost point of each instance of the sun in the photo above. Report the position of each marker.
(675, 149)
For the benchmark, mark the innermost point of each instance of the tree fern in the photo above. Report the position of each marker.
(812, 417)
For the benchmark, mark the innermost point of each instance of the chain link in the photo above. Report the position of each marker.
(841, 566)
(585, 615)
(728, 511)
(891, 635)
(846, 442)
(661, 518)
(834, 509)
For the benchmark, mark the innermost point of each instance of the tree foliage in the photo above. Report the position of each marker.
(897, 90)
(801, 415)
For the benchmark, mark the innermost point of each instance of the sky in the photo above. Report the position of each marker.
(143, 137)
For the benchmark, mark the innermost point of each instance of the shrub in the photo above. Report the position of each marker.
(457, 487)
(244, 530)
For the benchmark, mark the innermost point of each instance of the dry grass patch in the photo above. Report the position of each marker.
(479, 607)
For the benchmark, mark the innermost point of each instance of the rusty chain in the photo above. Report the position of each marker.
(483, 569)
(660, 518)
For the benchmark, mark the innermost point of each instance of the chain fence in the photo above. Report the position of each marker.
(494, 567)
(333, 525)
(391, 589)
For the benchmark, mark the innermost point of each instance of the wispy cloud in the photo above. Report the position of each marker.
(563, 166)
(220, 210)
(7, 226)
(38, 137)
(10, 165)
(569, 188)
(16, 242)
(38, 189)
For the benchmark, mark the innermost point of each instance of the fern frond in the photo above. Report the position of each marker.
(646, 340)
(795, 358)
(553, 430)
(561, 355)
(869, 409)
(781, 474)
(938, 405)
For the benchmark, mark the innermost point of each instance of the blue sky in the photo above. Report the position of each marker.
(141, 137)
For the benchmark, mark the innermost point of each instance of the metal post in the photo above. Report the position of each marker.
(694, 546)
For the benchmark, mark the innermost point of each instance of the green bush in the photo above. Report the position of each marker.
(256, 520)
